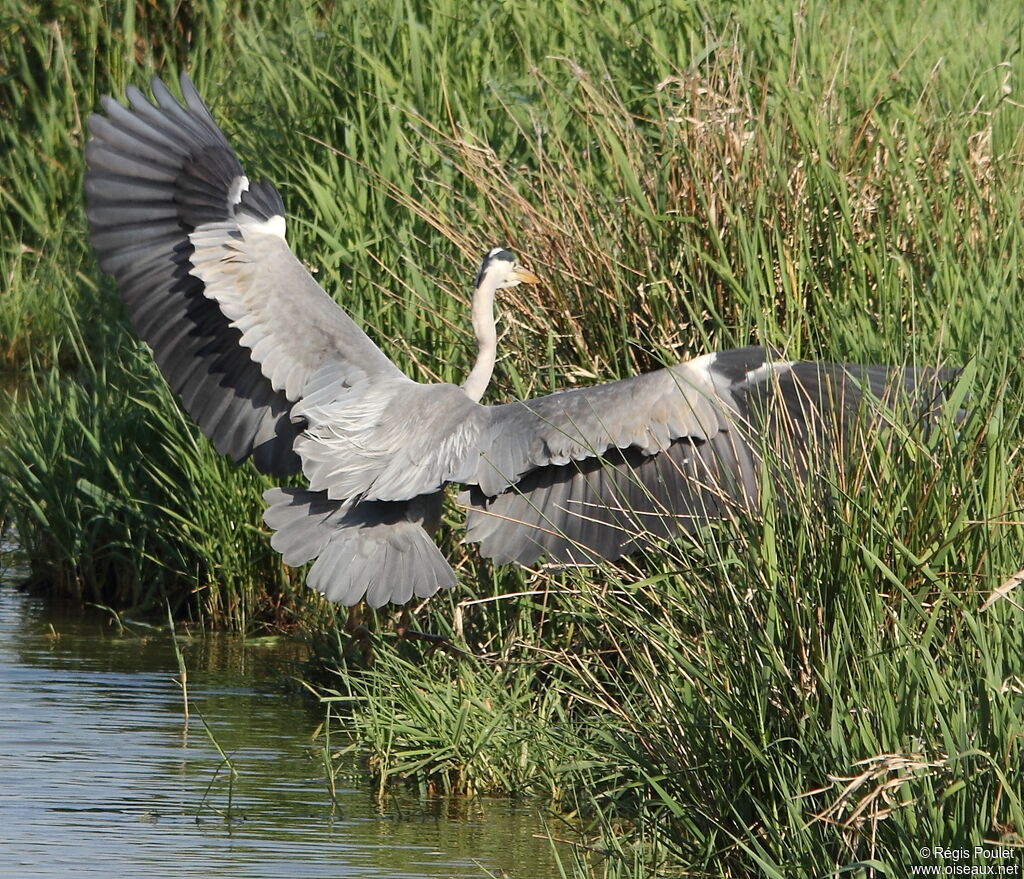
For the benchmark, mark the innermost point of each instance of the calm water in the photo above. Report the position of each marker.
(101, 776)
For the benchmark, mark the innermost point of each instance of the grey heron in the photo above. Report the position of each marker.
(271, 368)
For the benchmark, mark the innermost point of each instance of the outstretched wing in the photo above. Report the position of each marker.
(199, 255)
(645, 412)
(659, 466)
(593, 473)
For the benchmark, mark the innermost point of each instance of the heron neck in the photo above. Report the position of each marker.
(486, 339)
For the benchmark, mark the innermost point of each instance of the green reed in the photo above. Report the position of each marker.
(812, 693)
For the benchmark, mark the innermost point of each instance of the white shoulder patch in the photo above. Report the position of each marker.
(704, 362)
(274, 226)
(238, 186)
(768, 369)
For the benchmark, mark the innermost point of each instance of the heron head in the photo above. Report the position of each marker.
(500, 269)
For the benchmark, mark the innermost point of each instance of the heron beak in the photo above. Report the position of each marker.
(522, 276)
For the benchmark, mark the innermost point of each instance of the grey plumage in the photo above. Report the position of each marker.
(271, 368)
(378, 549)
(154, 172)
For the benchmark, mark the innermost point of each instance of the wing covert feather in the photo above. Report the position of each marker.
(600, 509)
(646, 412)
(286, 320)
(199, 255)
(152, 170)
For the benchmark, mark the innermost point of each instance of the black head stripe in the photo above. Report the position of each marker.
(499, 253)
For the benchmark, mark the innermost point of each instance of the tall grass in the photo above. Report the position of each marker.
(116, 499)
(814, 692)
(817, 692)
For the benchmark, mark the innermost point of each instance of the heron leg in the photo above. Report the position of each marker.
(436, 642)
(359, 635)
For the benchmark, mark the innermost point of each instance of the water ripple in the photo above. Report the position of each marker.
(101, 776)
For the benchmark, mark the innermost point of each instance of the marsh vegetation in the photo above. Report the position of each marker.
(820, 691)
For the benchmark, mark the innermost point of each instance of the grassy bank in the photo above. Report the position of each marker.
(820, 693)
(812, 694)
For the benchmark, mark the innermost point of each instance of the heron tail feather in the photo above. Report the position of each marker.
(379, 550)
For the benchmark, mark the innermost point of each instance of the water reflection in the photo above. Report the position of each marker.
(100, 774)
